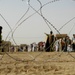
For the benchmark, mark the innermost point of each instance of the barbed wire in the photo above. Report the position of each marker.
(7, 24)
(71, 29)
(66, 23)
(48, 23)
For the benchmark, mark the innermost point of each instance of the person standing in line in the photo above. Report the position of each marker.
(56, 45)
(1, 39)
(67, 43)
(31, 47)
(1, 34)
(73, 42)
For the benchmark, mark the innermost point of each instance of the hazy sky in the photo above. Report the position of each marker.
(32, 28)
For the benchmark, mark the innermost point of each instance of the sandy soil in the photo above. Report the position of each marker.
(37, 63)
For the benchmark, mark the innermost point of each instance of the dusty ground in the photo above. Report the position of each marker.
(37, 63)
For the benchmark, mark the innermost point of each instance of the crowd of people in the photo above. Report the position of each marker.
(54, 43)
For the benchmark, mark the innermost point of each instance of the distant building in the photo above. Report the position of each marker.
(58, 36)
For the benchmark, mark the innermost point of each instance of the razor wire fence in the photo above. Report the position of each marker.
(38, 11)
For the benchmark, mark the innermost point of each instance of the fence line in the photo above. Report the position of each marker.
(48, 23)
